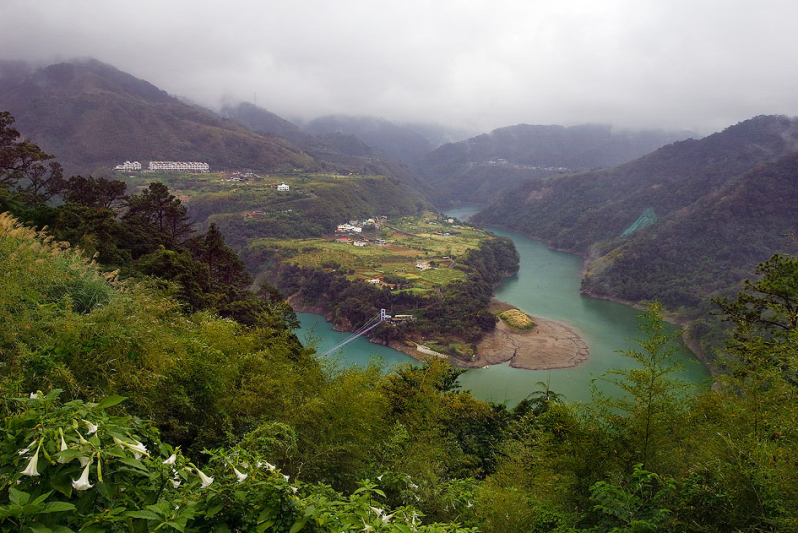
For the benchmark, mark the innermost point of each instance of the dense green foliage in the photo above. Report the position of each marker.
(719, 460)
(146, 234)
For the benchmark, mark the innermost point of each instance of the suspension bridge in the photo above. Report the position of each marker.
(371, 323)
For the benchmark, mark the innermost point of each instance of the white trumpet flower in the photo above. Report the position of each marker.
(269, 466)
(64, 447)
(91, 427)
(205, 480)
(84, 460)
(36, 395)
(241, 477)
(170, 460)
(138, 447)
(82, 483)
(31, 469)
(23, 451)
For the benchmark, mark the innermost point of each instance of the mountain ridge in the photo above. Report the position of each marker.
(477, 169)
(681, 224)
(91, 115)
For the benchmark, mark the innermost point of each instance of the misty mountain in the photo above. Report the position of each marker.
(91, 115)
(691, 219)
(396, 142)
(344, 152)
(477, 169)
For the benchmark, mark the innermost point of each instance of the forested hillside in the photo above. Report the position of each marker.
(688, 221)
(478, 169)
(313, 208)
(91, 115)
(339, 149)
(245, 430)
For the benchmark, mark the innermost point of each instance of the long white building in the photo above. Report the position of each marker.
(178, 166)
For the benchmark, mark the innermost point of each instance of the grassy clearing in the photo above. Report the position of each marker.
(517, 319)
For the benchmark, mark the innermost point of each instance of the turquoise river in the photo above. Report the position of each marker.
(548, 286)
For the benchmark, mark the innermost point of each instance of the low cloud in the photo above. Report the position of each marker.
(481, 64)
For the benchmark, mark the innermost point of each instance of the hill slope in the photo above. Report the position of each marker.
(683, 222)
(90, 115)
(477, 169)
(338, 148)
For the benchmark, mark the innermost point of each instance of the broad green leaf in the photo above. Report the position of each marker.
(39, 528)
(18, 497)
(263, 526)
(180, 525)
(42, 498)
(106, 490)
(53, 394)
(61, 529)
(93, 528)
(70, 453)
(111, 401)
(57, 507)
(297, 526)
(133, 463)
(143, 514)
(214, 510)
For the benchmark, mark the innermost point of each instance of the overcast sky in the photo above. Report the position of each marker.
(695, 64)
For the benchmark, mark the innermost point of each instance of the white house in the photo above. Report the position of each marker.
(128, 166)
(283, 187)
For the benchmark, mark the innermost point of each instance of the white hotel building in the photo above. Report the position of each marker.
(178, 166)
(128, 166)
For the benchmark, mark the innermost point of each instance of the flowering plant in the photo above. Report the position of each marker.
(76, 467)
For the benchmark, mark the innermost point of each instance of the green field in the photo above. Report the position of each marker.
(397, 258)
(254, 187)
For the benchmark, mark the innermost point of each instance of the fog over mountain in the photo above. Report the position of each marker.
(479, 65)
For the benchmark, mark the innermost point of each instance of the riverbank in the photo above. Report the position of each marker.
(547, 346)
(691, 344)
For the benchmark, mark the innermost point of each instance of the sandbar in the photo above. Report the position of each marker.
(548, 345)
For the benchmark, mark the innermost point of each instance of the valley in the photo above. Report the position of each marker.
(181, 335)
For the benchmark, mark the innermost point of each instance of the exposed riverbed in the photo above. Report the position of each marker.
(548, 286)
